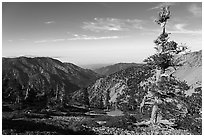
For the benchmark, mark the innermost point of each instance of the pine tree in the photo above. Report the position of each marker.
(107, 99)
(165, 86)
(86, 97)
(101, 105)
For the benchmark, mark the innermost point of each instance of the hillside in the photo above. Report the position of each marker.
(123, 84)
(190, 69)
(42, 77)
(114, 68)
(114, 85)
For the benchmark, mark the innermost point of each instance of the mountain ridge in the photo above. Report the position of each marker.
(110, 69)
(43, 76)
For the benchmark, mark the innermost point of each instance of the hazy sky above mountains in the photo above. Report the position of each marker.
(94, 33)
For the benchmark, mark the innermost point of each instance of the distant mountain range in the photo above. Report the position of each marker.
(43, 76)
(43, 79)
(95, 66)
(114, 68)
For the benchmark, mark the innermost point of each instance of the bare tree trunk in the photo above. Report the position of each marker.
(158, 74)
(153, 118)
(157, 101)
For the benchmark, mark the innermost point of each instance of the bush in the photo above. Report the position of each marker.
(192, 124)
(193, 120)
(134, 119)
(76, 127)
(117, 121)
(80, 128)
(89, 123)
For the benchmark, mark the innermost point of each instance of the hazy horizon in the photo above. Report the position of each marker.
(95, 33)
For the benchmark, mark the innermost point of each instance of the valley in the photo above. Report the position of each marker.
(101, 68)
(99, 107)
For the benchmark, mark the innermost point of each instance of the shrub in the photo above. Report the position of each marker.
(80, 128)
(118, 122)
(89, 123)
(193, 120)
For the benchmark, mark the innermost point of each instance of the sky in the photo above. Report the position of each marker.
(95, 33)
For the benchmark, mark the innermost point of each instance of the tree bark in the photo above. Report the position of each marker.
(157, 101)
(154, 113)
